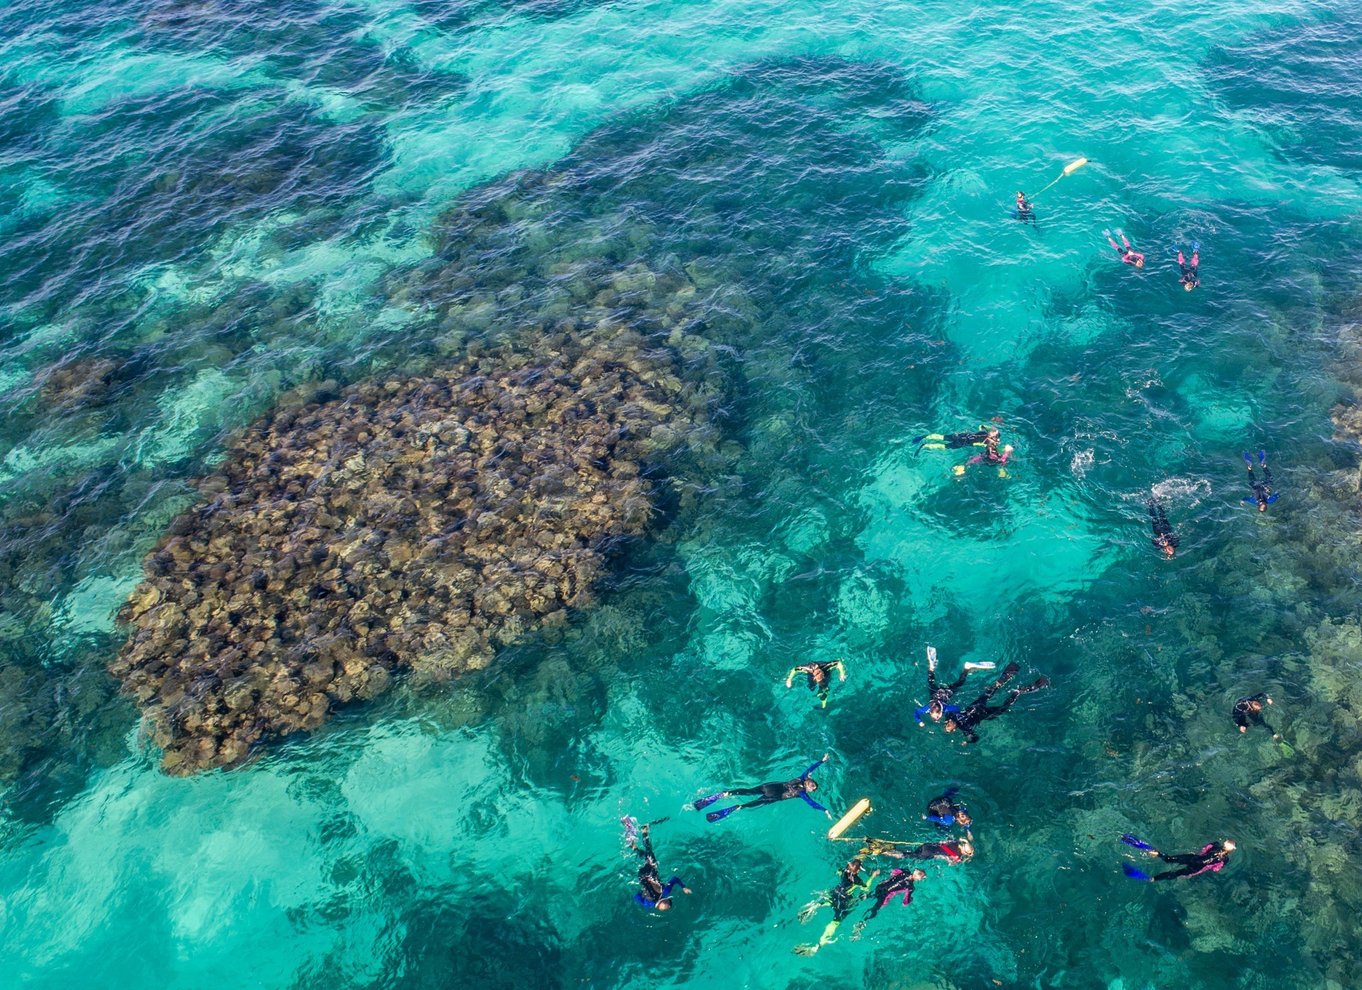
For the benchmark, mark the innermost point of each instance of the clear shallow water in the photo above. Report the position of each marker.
(209, 205)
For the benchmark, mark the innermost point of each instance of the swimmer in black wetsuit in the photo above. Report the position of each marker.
(1249, 711)
(1025, 212)
(899, 882)
(1211, 859)
(986, 437)
(655, 894)
(939, 696)
(944, 811)
(769, 793)
(978, 711)
(1164, 537)
(850, 888)
(819, 675)
(1263, 495)
(953, 851)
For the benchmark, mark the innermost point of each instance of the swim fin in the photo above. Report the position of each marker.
(721, 814)
(1135, 874)
(705, 802)
(980, 665)
(1248, 459)
(1130, 840)
(1262, 457)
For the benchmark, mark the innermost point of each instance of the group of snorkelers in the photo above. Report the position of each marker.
(1261, 495)
(1262, 492)
(987, 437)
(1188, 274)
(945, 812)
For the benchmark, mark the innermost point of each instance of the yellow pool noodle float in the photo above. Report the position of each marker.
(846, 821)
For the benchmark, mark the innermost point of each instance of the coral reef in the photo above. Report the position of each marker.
(409, 524)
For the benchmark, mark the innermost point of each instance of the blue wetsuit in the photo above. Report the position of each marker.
(945, 811)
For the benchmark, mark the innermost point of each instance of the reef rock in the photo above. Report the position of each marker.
(406, 524)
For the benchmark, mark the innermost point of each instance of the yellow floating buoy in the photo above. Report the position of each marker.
(846, 821)
(1069, 169)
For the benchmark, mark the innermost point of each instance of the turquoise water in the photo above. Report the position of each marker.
(208, 205)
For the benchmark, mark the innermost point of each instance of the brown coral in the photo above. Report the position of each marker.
(416, 523)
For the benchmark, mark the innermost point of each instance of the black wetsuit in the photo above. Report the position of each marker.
(1211, 859)
(650, 878)
(949, 851)
(1025, 212)
(1246, 716)
(1262, 490)
(843, 896)
(940, 693)
(899, 882)
(978, 711)
(1163, 529)
(768, 793)
(826, 668)
(954, 440)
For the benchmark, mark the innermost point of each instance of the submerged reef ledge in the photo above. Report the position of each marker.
(407, 524)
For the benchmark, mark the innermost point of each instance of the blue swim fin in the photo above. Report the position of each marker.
(1262, 457)
(721, 814)
(706, 801)
(1130, 840)
(1135, 874)
(1248, 458)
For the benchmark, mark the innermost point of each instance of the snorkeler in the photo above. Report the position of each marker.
(1211, 859)
(899, 882)
(953, 851)
(1128, 254)
(1263, 494)
(985, 436)
(850, 888)
(819, 675)
(1025, 213)
(770, 793)
(978, 711)
(655, 894)
(938, 695)
(944, 811)
(1164, 537)
(1249, 711)
(1190, 280)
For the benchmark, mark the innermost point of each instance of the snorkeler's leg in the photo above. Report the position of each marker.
(1009, 672)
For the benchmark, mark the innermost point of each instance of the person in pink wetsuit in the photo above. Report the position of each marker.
(1128, 254)
(1190, 279)
(1211, 859)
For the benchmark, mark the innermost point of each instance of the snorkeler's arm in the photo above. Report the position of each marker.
(813, 766)
(814, 804)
